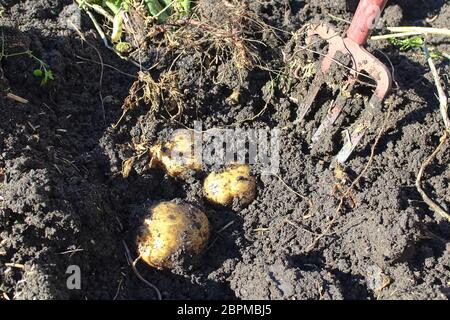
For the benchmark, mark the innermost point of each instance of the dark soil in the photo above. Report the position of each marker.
(64, 201)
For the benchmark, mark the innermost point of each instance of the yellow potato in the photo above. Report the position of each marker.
(173, 233)
(177, 155)
(234, 182)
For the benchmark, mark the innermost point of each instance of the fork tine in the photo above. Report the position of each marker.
(311, 95)
(351, 142)
(333, 113)
(335, 42)
(362, 60)
(369, 119)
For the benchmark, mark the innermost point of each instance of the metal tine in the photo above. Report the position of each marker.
(360, 128)
(334, 112)
(362, 60)
(376, 69)
(351, 141)
(326, 33)
(311, 95)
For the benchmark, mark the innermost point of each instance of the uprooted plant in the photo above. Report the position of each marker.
(178, 25)
(231, 38)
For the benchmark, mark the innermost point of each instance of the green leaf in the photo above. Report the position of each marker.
(123, 47)
(111, 6)
(186, 5)
(49, 75)
(117, 27)
(416, 41)
(37, 72)
(408, 43)
(156, 9)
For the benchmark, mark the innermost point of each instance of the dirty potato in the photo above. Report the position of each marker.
(234, 182)
(177, 154)
(173, 233)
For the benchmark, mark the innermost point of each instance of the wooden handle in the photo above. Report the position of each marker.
(365, 18)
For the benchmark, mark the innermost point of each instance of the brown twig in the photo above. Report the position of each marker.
(290, 188)
(434, 206)
(16, 98)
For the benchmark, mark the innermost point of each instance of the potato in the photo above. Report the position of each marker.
(173, 234)
(234, 182)
(177, 155)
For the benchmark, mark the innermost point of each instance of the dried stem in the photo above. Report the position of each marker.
(433, 205)
(444, 112)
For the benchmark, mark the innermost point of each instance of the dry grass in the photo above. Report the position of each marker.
(222, 32)
(155, 94)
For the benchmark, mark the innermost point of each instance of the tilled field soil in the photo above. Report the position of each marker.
(64, 200)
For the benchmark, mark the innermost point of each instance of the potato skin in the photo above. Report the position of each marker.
(234, 182)
(173, 233)
(182, 143)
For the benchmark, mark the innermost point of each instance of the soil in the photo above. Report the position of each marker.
(64, 200)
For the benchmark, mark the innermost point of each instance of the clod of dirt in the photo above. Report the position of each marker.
(277, 281)
(392, 16)
(376, 279)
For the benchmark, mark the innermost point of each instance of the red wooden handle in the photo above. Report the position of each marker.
(365, 18)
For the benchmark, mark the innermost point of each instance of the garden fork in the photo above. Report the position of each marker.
(364, 20)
